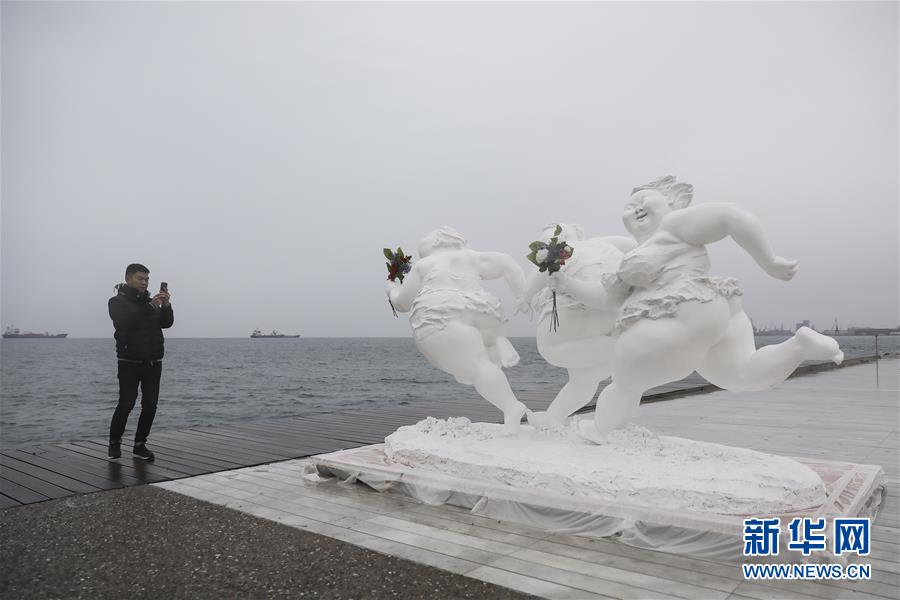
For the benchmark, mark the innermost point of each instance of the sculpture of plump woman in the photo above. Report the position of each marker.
(456, 324)
(678, 319)
(588, 300)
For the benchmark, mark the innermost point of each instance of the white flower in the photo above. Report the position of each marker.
(541, 256)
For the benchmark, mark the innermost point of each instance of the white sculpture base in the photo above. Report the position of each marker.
(657, 492)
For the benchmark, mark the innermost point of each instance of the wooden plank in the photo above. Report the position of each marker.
(303, 445)
(73, 485)
(210, 458)
(7, 502)
(332, 440)
(110, 470)
(208, 465)
(232, 452)
(322, 429)
(276, 450)
(68, 469)
(185, 445)
(35, 484)
(20, 493)
(357, 435)
(139, 465)
(139, 471)
(532, 585)
(357, 425)
(161, 459)
(583, 582)
(629, 576)
(308, 434)
(247, 447)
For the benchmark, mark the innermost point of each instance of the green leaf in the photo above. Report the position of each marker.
(535, 246)
(388, 254)
(557, 231)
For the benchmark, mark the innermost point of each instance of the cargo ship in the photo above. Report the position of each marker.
(258, 334)
(14, 333)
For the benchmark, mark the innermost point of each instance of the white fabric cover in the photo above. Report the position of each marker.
(853, 491)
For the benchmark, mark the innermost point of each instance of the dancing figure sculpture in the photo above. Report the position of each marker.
(678, 319)
(589, 295)
(456, 324)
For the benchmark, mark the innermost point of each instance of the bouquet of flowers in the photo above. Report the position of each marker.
(550, 257)
(398, 266)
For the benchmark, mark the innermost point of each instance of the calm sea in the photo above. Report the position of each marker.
(60, 390)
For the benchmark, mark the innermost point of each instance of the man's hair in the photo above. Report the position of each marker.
(135, 268)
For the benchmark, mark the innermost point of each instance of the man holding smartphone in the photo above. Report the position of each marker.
(139, 321)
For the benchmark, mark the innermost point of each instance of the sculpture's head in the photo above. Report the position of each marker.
(570, 232)
(444, 238)
(651, 202)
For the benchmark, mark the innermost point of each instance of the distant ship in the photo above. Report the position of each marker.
(259, 334)
(14, 333)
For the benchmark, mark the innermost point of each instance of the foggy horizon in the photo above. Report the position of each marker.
(259, 156)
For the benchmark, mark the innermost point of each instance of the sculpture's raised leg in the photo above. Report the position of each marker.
(735, 363)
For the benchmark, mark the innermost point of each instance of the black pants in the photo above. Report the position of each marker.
(132, 374)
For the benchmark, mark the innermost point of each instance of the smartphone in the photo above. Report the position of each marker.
(164, 287)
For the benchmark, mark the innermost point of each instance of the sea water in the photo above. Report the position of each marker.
(60, 390)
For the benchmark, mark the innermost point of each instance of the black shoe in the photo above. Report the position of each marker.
(141, 451)
(115, 450)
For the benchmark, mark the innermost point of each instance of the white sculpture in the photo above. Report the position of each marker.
(588, 301)
(456, 324)
(677, 319)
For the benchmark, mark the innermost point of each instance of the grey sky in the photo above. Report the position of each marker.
(259, 156)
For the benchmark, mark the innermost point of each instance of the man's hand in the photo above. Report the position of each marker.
(161, 299)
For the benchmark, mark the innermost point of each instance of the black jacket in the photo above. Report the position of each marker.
(139, 325)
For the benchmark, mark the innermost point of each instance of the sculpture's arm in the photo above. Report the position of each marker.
(623, 243)
(535, 283)
(708, 223)
(493, 265)
(402, 295)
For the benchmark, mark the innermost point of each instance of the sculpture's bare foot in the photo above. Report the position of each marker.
(539, 419)
(512, 418)
(543, 419)
(589, 431)
(818, 346)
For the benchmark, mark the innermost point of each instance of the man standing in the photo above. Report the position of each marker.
(139, 321)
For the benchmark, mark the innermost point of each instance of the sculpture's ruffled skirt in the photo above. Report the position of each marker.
(434, 308)
(660, 303)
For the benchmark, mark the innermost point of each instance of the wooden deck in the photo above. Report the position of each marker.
(847, 414)
(42, 472)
